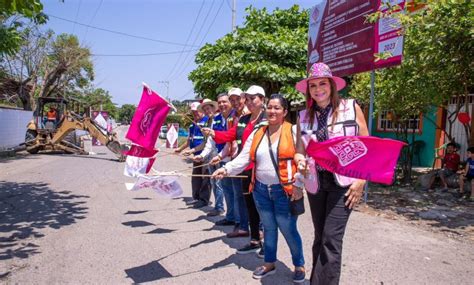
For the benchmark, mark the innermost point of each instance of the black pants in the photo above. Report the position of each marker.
(201, 186)
(254, 217)
(330, 217)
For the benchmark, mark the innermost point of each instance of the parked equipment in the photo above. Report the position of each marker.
(48, 134)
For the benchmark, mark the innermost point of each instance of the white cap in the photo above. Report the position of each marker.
(194, 106)
(255, 90)
(235, 91)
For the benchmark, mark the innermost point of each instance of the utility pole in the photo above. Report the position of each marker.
(234, 10)
(167, 85)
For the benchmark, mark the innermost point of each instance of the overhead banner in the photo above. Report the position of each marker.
(340, 37)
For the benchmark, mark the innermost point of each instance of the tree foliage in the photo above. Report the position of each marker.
(45, 66)
(12, 14)
(125, 113)
(437, 64)
(269, 50)
(99, 99)
(438, 60)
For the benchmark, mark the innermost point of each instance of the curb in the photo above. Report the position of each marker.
(7, 153)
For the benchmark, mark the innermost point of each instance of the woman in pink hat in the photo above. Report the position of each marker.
(331, 196)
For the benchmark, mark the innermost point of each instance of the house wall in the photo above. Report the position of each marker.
(428, 134)
(13, 126)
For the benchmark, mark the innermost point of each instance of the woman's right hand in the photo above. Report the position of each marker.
(219, 173)
(207, 132)
(302, 166)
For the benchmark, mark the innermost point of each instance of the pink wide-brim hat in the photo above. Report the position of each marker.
(320, 70)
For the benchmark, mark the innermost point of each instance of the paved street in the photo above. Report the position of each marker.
(69, 220)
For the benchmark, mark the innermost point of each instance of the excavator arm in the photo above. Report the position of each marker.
(72, 121)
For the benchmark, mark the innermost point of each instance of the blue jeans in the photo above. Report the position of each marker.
(230, 214)
(239, 204)
(217, 189)
(273, 205)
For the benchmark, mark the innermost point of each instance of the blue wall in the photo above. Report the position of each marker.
(428, 135)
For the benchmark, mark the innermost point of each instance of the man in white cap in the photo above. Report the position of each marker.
(221, 189)
(200, 185)
(237, 100)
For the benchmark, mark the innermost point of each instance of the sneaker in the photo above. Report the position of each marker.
(192, 202)
(444, 190)
(261, 253)
(237, 234)
(262, 272)
(225, 222)
(214, 213)
(249, 248)
(199, 204)
(299, 276)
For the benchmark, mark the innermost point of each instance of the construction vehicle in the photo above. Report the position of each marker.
(48, 132)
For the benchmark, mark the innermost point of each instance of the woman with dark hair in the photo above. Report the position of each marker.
(272, 148)
(331, 196)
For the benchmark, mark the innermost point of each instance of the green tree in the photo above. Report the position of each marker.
(269, 50)
(46, 66)
(12, 14)
(437, 66)
(23, 69)
(125, 113)
(100, 99)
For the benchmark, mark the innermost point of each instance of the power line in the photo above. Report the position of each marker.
(187, 39)
(196, 37)
(146, 54)
(77, 15)
(228, 5)
(119, 33)
(93, 17)
(200, 44)
(185, 94)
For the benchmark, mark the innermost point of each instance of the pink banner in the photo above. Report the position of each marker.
(340, 36)
(149, 116)
(139, 151)
(369, 158)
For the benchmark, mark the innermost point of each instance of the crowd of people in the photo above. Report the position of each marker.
(260, 170)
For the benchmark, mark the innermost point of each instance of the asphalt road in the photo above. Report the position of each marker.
(69, 220)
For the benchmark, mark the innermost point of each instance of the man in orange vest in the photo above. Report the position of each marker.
(51, 114)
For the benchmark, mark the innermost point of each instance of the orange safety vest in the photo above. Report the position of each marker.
(285, 151)
(51, 115)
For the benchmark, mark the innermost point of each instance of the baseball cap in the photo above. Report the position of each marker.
(235, 92)
(255, 90)
(194, 106)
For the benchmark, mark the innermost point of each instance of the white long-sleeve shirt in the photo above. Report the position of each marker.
(265, 171)
(210, 149)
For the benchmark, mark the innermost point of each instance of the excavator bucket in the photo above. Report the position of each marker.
(118, 149)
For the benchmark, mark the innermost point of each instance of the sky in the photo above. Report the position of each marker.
(165, 33)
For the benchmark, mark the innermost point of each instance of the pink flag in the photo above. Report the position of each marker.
(139, 151)
(139, 159)
(367, 157)
(149, 116)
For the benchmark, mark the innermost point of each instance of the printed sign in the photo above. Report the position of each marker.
(340, 37)
(172, 136)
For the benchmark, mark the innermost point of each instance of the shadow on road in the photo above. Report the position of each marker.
(26, 208)
(17, 157)
(154, 271)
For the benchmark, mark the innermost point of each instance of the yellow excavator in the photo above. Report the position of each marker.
(53, 128)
